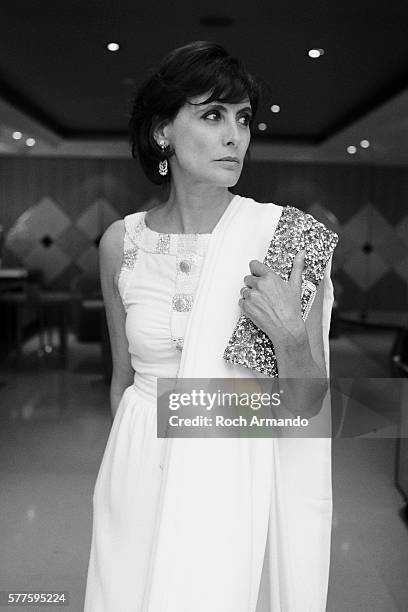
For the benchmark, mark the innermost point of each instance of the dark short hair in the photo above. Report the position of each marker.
(186, 72)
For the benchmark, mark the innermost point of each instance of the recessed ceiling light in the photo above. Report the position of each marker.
(262, 127)
(365, 144)
(17, 135)
(314, 53)
(30, 142)
(275, 108)
(113, 46)
(351, 149)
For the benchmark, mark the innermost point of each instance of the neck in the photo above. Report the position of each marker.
(195, 209)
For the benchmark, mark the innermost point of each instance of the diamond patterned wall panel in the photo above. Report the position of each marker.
(88, 261)
(402, 269)
(402, 230)
(73, 242)
(368, 224)
(369, 247)
(33, 236)
(96, 218)
(47, 218)
(344, 250)
(365, 270)
(64, 211)
(393, 250)
(20, 240)
(51, 260)
(44, 238)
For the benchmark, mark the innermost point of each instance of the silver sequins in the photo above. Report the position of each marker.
(163, 243)
(185, 266)
(182, 302)
(129, 258)
(188, 249)
(251, 347)
(131, 245)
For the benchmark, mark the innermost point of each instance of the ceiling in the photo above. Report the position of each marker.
(60, 85)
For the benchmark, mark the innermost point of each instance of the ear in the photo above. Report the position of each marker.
(160, 131)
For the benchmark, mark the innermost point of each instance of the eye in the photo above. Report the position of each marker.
(212, 115)
(245, 119)
(215, 115)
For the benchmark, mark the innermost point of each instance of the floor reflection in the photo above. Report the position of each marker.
(54, 426)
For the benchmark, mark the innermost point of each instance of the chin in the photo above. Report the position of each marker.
(233, 180)
(227, 179)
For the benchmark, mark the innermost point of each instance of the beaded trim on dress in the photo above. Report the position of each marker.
(189, 251)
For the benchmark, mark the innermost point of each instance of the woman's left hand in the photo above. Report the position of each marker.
(272, 303)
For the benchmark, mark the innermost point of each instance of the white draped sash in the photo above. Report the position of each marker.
(221, 497)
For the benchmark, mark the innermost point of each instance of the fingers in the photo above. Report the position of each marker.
(297, 268)
(250, 281)
(258, 268)
(245, 292)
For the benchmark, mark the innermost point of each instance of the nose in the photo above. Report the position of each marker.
(231, 133)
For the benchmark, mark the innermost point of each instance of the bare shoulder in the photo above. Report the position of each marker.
(113, 235)
(111, 248)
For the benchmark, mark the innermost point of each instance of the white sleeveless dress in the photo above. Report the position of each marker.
(157, 284)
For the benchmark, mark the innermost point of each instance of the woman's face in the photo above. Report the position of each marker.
(209, 141)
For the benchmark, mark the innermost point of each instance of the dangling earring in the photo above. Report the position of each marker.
(163, 165)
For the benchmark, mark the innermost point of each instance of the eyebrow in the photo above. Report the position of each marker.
(219, 106)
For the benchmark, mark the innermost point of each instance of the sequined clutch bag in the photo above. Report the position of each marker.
(296, 230)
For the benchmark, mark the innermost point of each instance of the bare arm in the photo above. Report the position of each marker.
(303, 354)
(273, 305)
(302, 357)
(110, 261)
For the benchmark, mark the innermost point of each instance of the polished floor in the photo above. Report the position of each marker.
(54, 425)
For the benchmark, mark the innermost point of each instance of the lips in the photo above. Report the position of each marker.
(229, 159)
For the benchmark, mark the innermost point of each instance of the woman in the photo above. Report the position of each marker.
(183, 525)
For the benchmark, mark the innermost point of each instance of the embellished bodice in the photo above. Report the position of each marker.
(157, 283)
